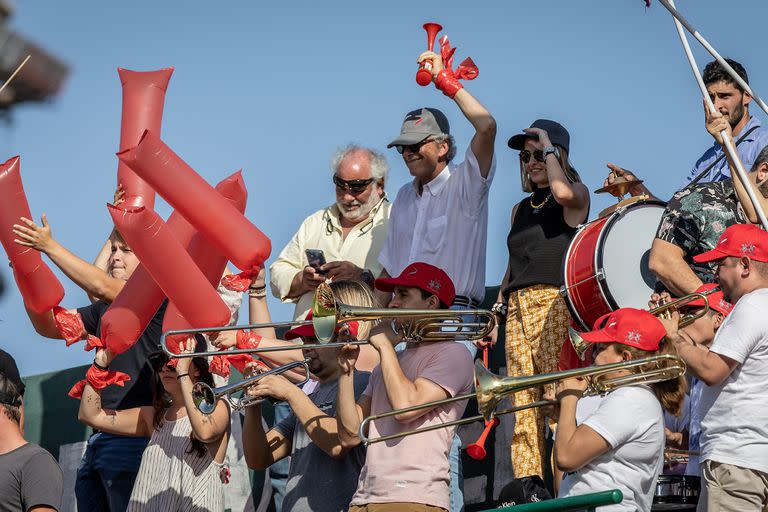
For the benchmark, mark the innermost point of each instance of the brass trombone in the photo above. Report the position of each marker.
(580, 346)
(205, 397)
(328, 313)
(490, 389)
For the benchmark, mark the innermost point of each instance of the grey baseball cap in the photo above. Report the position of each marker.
(420, 124)
(557, 134)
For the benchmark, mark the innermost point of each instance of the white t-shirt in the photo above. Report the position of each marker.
(446, 226)
(632, 422)
(734, 428)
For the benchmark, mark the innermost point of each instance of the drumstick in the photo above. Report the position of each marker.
(730, 148)
(14, 74)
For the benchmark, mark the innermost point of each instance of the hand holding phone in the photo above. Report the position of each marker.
(316, 259)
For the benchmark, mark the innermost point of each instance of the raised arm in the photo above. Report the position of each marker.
(349, 414)
(481, 119)
(258, 312)
(93, 280)
(127, 422)
(261, 449)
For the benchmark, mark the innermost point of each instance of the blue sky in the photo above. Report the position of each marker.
(274, 90)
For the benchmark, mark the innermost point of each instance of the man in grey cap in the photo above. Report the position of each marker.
(30, 478)
(441, 217)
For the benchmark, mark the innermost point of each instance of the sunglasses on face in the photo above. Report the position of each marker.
(413, 148)
(158, 361)
(354, 187)
(525, 155)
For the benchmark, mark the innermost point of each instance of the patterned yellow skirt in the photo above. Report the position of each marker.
(537, 325)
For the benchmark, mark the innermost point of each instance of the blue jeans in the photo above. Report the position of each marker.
(278, 472)
(457, 475)
(107, 472)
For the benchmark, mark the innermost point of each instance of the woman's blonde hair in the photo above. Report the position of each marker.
(355, 293)
(568, 169)
(669, 392)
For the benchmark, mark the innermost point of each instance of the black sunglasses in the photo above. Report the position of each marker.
(525, 156)
(413, 148)
(158, 360)
(354, 187)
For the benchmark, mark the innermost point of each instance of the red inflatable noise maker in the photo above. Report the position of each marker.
(38, 285)
(477, 450)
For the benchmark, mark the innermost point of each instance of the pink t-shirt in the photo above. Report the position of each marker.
(415, 468)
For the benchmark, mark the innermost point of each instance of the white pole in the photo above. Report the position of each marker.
(669, 4)
(730, 147)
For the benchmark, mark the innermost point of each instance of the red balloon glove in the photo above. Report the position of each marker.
(248, 339)
(447, 80)
(70, 325)
(98, 379)
(239, 282)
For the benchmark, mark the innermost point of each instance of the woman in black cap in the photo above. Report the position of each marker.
(543, 225)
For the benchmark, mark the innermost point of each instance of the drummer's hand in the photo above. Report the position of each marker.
(659, 299)
(716, 123)
(620, 172)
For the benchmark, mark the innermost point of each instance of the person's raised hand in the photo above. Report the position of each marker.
(616, 172)
(31, 235)
(716, 123)
(119, 196)
(260, 279)
(436, 61)
(542, 136)
(223, 339)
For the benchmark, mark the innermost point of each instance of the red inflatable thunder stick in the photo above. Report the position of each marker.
(424, 74)
(169, 264)
(143, 102)
(227, 229)
(210, 261)
(39, 288)
(448, 80)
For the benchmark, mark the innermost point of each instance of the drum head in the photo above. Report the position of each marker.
(623, 254)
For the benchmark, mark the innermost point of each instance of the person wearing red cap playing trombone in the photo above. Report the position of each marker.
(620, 443)
(702, 332)
(734, 426)
(411, 473)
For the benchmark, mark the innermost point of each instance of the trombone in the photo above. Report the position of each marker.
(580, 346)
(205, 397)
(490, 389)
(328, 312)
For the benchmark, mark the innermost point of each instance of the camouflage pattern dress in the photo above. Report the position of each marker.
(696, 217)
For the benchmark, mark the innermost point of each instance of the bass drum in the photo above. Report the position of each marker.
(606, 266)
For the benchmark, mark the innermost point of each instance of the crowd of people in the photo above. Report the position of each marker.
(153, 449)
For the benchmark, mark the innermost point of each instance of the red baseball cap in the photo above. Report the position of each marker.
(628, 326)
(740, 240)
(715, 300)
(424, 277)
(308, 331)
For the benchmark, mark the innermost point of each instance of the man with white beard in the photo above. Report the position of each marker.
(350, 232)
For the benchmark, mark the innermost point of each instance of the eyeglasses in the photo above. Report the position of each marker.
(413, 148)
(354, 187)
(525, 156)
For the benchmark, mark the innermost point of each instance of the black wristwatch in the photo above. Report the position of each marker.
(367, 277)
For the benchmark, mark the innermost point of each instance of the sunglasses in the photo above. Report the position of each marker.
(525, 156)
(413, 148)
(159, 360)
(354, 187)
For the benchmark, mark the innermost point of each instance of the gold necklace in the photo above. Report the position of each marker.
(538, 206)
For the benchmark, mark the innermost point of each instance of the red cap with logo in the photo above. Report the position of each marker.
(308, 331)
(715, 300)
(739, 240)
(424, 277)
(628, 326)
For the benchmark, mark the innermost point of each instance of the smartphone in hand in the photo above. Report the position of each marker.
(316, 259)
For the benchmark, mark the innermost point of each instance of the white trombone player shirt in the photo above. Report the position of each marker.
(322, 230)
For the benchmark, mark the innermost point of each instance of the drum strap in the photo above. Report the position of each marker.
(717, 160)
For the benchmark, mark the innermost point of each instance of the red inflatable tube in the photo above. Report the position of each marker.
(170, 265)
(210, 261)
(143, 102)
(138, 301)
(38, 286)
(227, 229)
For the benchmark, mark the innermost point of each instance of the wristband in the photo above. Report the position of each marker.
(499, 309)
(102, 368)
(448, 83)
(257, 293)
(178, 377)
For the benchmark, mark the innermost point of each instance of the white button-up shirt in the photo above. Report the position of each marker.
(446, 226)
(322, 230)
